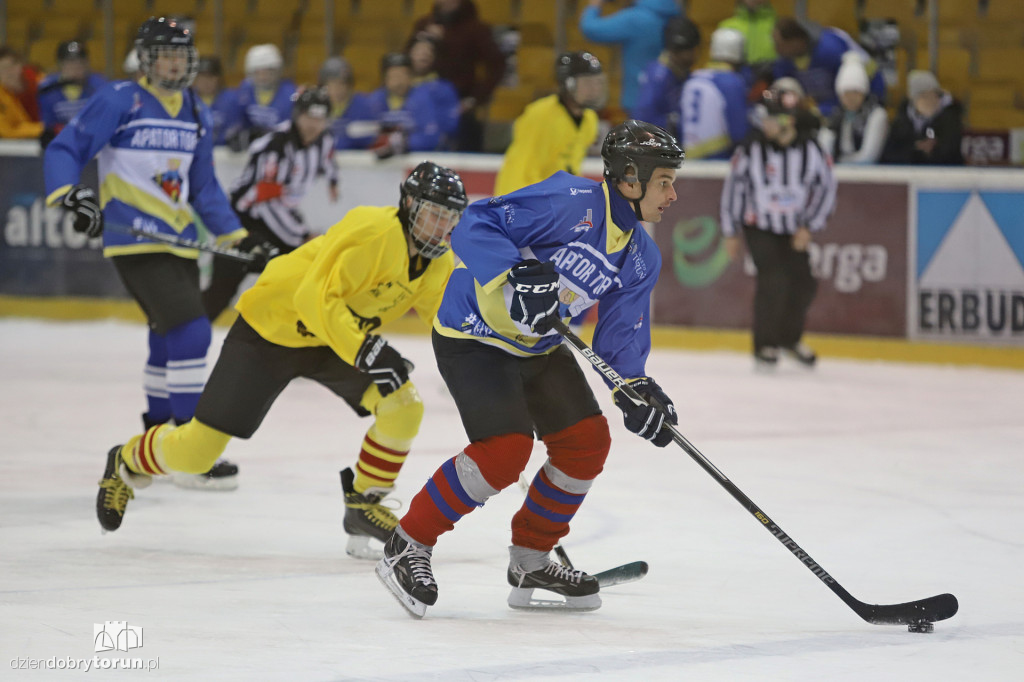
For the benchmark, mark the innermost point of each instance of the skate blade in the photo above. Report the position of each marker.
(358, 547)
(522, 598)
(203, 482)
(413, 606)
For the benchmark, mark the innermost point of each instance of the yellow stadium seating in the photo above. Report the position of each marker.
(1004, 10)
(708, 13)
(834, 13)
(1000, 64)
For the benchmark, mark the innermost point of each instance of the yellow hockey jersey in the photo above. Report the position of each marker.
(545, 140)
(337, 288)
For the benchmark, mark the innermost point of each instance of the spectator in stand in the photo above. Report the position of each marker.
(469, 57)
(209, 86)
(813, 55)
(661, 83)
(402, 118)
(928, 127)
(63, 94)
(19, 110)
(263, 100)
(423, 55)
(638, 29)
(714, 101)
(856, 130)
(337, 79)
(554, 132)
(755, 19)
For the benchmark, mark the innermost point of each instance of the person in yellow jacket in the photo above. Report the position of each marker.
(312, 313)
(554, 132)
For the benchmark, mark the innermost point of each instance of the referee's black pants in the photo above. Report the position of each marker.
(785, 288)
(226, 275)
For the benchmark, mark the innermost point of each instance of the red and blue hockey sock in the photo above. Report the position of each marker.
(465, 482)
(576, 456)
(186, 365)
(154, 381)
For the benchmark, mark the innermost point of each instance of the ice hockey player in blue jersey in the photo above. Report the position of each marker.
(262, 101)
(661, 83)
(551, 249)
(714, 101)
(155, 152)
(63, 94)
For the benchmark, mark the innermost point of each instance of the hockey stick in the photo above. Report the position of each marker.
(626, 573)
(224, 252)
(919, 615)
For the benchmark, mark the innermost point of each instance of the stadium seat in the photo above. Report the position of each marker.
(708, 13)
(999, 64)
(835, 14)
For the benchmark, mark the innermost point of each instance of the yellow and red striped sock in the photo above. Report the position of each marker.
(378, 465)
(140, 456)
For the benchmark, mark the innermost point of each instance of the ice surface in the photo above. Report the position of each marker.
(902, 481)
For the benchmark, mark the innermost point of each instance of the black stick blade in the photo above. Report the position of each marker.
(625, 573)
(932, 609)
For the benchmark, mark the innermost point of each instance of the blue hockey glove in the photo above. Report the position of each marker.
(647, 421)
(385, 365)
(81, 201)
(535, 294)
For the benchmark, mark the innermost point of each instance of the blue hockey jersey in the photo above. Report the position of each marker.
(60, 101)
(417, 115)
(714, 112)
(599, 248)
(251, 111)
(657, 99)
(153, 163)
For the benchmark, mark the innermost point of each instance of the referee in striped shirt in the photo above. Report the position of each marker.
(780, 189)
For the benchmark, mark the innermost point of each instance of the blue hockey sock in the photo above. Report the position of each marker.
(154, 380)
(186, 366)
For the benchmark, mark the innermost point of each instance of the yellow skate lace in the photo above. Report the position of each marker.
(378, 513)
(117, 494)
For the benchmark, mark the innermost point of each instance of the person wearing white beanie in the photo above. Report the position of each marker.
(928, 128)
(856, 130)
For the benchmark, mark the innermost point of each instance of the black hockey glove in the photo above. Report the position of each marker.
(81, 201)
(261, 252)
(385, 365)
(647, 420)
(535, 294)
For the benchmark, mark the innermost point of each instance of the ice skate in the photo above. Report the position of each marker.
(116, 488)
(223, 475)
(579, 591)
(802, 354)
(766, 359)
(405, 570)
(365, 518)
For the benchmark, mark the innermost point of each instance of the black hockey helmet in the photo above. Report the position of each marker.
(570, 65)
(157, 35)
(394, 59)
(681, 34)
(632, 150)
(430, 183)
(71, 49)
(211, 66)
(312, 101)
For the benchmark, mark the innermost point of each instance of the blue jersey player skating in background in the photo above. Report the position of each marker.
(551, 249)
(155, 150)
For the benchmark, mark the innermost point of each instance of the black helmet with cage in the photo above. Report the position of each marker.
(432, 201)
(632, 150)
(160, 35)
(70, 50)
(569, 68)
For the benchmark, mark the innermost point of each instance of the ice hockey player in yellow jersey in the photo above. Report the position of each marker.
(554, 132)
(313, 313)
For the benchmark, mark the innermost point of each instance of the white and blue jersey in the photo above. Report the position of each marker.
(600, 250)
(417, 116)
(155, 160)
(714, 112)
(60, 101)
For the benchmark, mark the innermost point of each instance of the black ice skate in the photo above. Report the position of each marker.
(222, 476)
(405, 571)
(116, 488)
(578, 589)
(365, 518)
(802, 354)
(766, 359)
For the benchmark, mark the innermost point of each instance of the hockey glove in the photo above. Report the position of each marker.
(385, 365)
(534, 294)
(261, 252)
(647, 421)
(81, 201)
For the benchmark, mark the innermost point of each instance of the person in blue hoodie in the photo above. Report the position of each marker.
(813, 55)
(63, 94)
(262, 101)
(661, 83)
(638, 29)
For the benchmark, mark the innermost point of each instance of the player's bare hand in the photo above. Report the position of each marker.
(732, 247)
(801, 239)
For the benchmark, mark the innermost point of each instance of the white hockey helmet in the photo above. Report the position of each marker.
(131, 63)
(265, 56)
(727, 45)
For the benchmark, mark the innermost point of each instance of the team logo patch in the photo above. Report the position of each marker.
(170, 180)
(586, 223)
